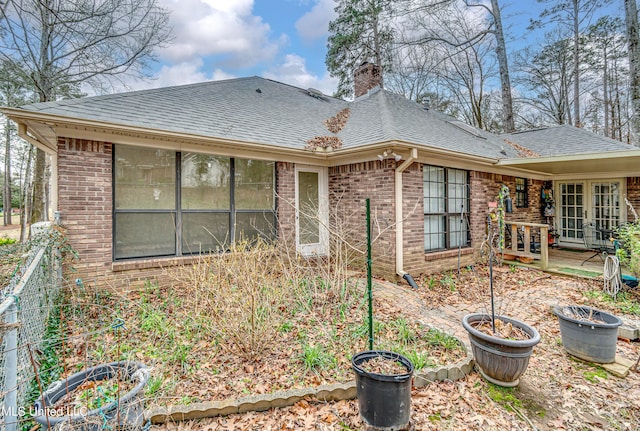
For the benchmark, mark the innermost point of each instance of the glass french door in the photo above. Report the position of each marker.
(588, 201)
(312, 236)
(572, 211)
(605, 204)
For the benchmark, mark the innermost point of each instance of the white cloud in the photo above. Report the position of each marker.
(294, 72)
(315, 23)
(170, 75)
(225, 28)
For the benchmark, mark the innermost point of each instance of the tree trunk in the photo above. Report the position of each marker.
(26, 197)
(605, 93)
(6, 196)
(501, 53)
(633, 44)
(576, 65)
(38, 199)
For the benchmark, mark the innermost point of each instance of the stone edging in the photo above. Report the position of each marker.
(334, 392)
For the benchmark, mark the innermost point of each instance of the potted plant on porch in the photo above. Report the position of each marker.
(383, 378)
(501, 345)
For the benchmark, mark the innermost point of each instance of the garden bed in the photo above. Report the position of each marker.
(243, 340)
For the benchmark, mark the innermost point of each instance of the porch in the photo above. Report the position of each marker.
(555, 259)
(568, 261)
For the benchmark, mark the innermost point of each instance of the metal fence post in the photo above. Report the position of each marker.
(11, 363)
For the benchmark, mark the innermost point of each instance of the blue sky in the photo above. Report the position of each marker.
(284, 40)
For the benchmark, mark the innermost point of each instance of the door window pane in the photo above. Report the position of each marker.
(145, 178)
(205, 182)
(606, 204)
(572, 211)
(308, 204)
(144, 235)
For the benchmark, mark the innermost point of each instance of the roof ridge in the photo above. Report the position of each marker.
(133, 93)
(386, 118)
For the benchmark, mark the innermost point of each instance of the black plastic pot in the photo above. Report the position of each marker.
(501, 361)
(384, 400)
(130, 405)
(586, 339)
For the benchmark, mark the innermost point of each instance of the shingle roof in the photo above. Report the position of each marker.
(565, 140)
(246, 109)
(263, 111)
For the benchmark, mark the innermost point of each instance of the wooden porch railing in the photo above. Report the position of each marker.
(543, 256)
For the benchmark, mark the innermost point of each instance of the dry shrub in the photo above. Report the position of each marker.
(242, 292)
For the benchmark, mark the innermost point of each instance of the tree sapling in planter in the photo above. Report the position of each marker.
(501, 345)
(383, 378)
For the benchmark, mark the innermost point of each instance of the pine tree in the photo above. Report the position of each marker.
(360, 33)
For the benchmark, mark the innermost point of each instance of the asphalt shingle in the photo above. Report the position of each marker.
(263, 111)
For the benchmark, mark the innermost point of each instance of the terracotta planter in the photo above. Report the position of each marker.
(501, 361)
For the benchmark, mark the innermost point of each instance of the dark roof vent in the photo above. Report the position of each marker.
(315, 93)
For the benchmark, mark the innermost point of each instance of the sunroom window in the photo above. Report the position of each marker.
(169, 203)
(446, 208)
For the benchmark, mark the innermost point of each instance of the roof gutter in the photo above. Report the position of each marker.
(413, 156)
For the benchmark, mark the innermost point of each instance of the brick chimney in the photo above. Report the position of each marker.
(366, 77)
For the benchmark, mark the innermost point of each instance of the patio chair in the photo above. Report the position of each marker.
(597, 241)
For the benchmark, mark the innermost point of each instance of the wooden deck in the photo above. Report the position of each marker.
(567, 261)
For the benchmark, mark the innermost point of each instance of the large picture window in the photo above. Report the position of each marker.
(446, 208)
(169, 203)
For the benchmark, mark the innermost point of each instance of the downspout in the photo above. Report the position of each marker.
(413, 156)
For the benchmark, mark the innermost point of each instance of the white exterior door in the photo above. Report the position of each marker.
(588, 201)
(312, 219)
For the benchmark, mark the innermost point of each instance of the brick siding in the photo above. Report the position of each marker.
(350, 186)
(633, 196)
(85, 204)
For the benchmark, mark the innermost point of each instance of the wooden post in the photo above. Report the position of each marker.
(544, 247)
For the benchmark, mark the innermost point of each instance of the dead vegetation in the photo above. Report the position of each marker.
(557, 392)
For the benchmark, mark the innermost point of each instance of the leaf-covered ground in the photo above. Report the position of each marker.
(193, 360)
(557, 392)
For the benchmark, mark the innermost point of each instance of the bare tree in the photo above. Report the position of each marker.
(546, 76)
(11, 94)
(497, 30)
(633, 43)
(603, 52)
(575, 15)
(56, 46)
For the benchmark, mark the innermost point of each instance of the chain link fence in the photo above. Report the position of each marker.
(25, 305)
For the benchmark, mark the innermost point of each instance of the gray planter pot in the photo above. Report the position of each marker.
(130, 405)
(501, 361)
(587, 333)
